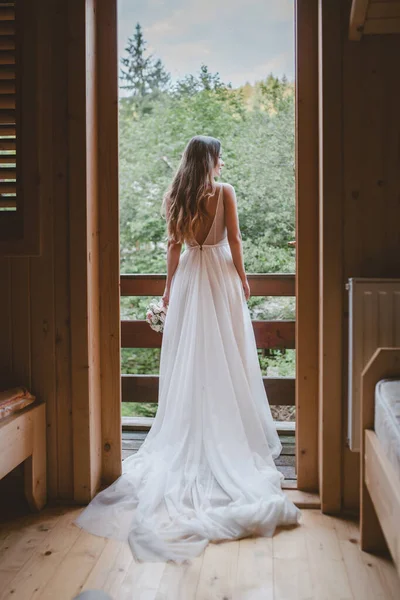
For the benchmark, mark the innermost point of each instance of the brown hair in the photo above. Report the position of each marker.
(190, 187)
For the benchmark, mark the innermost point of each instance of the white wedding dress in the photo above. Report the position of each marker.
(206, 470)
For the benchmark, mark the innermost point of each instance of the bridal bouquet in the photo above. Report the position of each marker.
(156, 314)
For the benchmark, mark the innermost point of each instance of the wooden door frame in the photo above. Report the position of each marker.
(331, 284)
(307, 224)
(94, 247)
(319, 284)
(307, 221)
(110, 295)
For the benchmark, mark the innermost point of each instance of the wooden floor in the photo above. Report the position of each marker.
(45, 556)
(286, 462)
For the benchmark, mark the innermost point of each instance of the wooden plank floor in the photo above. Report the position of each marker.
(286, 462)
(45, 556)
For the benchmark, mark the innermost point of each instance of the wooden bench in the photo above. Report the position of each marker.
(23, 439)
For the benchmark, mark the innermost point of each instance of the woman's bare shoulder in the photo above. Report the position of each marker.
(227, 186)
(229, 193)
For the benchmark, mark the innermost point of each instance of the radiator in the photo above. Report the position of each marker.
(374, 322)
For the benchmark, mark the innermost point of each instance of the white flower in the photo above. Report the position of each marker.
(156, 314)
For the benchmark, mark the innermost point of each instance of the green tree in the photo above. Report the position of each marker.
(255, 124)
(145, 77)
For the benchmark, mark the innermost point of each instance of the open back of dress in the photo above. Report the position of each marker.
(217, 232)
(206, 470)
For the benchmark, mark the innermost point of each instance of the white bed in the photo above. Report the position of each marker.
(387, 419)
(380, 454)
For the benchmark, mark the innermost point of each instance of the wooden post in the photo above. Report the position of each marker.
(307, 298)
(331, 286)
(94, 248)
(84, 252)
(110, 325)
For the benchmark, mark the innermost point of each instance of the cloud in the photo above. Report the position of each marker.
(278, 65)
(243, 40)
(194, 14)
(184, 57)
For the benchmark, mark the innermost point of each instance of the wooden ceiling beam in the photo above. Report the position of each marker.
(381, 26)
(384, 10)
(357, 19)
(378, 18)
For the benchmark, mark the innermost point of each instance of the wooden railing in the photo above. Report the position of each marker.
(268, 334)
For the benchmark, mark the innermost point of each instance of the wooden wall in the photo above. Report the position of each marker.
(60, 334)
(371, 180)
(361, 139)
(35, 298)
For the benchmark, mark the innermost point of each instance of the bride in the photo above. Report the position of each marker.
(205, 472)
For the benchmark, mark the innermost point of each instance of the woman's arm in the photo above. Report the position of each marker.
(173, 256)
(234, 235)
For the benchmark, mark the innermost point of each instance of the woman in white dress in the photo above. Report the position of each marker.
(206, 470)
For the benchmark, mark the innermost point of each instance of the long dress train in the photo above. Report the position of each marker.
(206, 470)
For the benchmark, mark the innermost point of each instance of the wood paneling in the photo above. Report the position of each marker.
(36, 348)
(21, 321)
(42, 307)
(61, 249)
(363, 214)
(5, 324)
(384, 10)
(371, 183)
(353, 223)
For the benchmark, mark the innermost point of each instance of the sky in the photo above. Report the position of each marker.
(242, 40)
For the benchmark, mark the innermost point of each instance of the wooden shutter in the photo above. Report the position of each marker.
(23, 66)
(8, 137)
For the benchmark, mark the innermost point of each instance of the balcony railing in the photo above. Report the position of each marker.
(268, 334)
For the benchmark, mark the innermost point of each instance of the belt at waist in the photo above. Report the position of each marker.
(223, 242)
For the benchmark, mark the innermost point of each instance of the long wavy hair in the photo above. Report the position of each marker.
(192, 184)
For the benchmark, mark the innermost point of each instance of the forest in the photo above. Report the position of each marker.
(256, 126)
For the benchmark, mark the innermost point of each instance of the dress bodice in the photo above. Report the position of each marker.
(217, 232)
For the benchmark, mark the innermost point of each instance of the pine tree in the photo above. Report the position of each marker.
(143, 75)
(204, 80)
(159, 78)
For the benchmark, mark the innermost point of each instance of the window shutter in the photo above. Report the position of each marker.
(8, 125)
(23, 76)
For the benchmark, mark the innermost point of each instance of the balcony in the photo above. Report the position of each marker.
(269, 335)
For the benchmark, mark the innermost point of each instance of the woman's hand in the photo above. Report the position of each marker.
(165, 297)
(246, 288)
